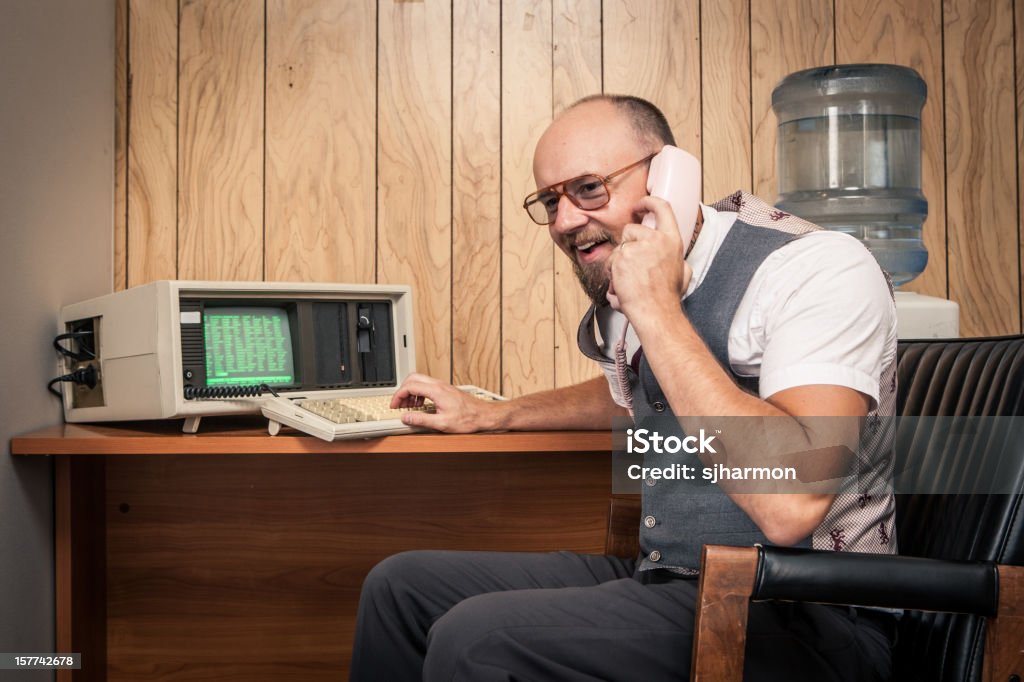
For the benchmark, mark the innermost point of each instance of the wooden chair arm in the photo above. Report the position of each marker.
(723, 597)
(1004, 634)
(727, 581)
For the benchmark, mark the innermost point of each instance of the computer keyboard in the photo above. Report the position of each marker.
(344, 410)
(342, 416)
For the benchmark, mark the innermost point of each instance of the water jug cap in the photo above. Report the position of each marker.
(852, 89)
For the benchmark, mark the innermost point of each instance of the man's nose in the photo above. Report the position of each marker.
(569, 216)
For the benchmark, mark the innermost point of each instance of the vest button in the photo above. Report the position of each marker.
(654, 556)
(650, 481)
(649, 521)
(658, 406)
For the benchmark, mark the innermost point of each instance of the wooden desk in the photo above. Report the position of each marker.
(231, 555)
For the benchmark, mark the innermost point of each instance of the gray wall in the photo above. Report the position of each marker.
(56, 247)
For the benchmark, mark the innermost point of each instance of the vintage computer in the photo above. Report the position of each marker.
(322, 358)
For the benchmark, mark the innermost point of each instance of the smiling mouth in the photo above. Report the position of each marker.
(588, 247)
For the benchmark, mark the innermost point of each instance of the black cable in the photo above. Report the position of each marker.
(54, 391)
(83, 375)
(80, 357)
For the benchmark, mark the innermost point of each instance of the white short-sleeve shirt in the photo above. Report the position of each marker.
(817, 311)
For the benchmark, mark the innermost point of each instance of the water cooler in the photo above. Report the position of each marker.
(849, 159)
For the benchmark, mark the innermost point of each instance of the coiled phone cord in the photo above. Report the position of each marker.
(621, 365)
(222, 392)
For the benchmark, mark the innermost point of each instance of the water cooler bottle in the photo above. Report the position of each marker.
(849, 159)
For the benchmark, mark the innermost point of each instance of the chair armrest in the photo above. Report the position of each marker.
(883, 580)
(732, 576)
(720, 627)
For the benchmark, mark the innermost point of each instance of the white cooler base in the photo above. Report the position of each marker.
(926, 317)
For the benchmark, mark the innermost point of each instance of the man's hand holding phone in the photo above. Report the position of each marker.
(649, 272)
(670, 215)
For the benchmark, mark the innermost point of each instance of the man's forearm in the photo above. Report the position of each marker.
(697, 388)
(688, 373)
(588, 405)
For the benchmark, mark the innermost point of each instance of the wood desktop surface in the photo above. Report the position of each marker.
(232, 555)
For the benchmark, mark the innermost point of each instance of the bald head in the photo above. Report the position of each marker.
(596, 131)
(648, 122)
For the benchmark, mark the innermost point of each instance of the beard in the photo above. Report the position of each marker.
(594, 280)
(593, 277)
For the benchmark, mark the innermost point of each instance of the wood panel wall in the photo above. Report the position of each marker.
(338, 140)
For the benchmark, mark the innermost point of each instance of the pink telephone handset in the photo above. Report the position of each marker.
(675, 177)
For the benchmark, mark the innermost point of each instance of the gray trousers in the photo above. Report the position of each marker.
(481, 616)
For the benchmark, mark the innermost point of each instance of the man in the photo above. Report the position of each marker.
(778, 319)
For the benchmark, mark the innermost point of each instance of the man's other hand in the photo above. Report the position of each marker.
(455, 411)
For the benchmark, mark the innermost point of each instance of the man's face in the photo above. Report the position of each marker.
(592, 138)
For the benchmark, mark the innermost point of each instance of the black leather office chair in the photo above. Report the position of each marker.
(959, 571)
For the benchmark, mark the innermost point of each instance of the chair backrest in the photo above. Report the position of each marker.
(961, 378)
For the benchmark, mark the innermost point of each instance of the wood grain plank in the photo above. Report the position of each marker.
(64, 555)
(80, 570)
(321, 143)
(904, 32)
(577, 72)
(152, 164)
(120, 144)
(1018, 20)
(725, 94)
(220, 114)
(226, 435)
(414, 168)
(527, 252)
(576, 57)
(476, 193)
(785, 37)
(277, 548)
(984, 274)
(653, 51)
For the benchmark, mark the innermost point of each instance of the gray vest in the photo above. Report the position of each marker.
(679, 517)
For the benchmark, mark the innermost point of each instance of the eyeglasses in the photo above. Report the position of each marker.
(586, 192)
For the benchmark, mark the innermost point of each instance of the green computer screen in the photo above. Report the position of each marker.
(248, 345)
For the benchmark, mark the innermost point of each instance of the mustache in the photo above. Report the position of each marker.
(589, 237)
